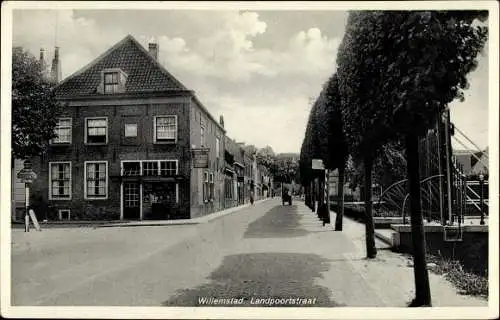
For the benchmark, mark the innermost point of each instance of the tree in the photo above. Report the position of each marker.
(336, 151)
(34, 108)
(250, 149)
(285, 167)
(266, 157)
(307, 152)
(356, 82)
(410, 65)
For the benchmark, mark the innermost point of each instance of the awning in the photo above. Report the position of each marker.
(239, 164)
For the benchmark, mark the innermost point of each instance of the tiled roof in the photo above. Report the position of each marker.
(144, 73)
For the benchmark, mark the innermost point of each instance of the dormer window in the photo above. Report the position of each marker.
(112, 81)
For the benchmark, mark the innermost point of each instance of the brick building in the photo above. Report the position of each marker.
(125, 144)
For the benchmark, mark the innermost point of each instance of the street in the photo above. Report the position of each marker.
(262, 251)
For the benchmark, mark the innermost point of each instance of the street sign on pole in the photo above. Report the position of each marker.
(27, 175)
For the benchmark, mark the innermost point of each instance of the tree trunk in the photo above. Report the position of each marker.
(322, 207)
(371, 251)
(422, 289)
(12, 190)
(313, 196)
(340, 195)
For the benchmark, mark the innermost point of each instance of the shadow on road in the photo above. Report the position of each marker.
(249, 277)
(279, 222)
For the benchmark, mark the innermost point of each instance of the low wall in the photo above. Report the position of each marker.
(472, 251)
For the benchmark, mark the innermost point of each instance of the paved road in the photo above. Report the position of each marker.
(264, 251)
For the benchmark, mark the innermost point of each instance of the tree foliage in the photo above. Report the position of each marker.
(399, 70)
(34, 108)
(397, 73)
(266, 157)
(286, 167)
(324, 136)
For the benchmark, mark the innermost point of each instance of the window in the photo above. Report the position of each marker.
(63, 131)
(165, 129)
(131, 168)
(168, 168)
(150, 168)
(96, 130)
(205, 186)
(130, 130)
(64, 214)
(96, 180)
(228, 186)
(202, 135)
(217, 147)
(131, 195)
(212, 185)
(111, 82)
(60, 180)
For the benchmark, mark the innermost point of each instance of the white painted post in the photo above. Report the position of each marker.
(140, 201)
(27, 204)
(121, 200)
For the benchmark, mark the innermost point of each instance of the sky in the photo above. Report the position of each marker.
(259, 69)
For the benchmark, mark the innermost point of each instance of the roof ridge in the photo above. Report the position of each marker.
(158, 64)
(95, 61)
(143, 51)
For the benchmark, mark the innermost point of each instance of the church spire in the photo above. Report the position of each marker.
(56, 73)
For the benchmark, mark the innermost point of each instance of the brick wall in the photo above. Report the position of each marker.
(118, 112)
(197, 117)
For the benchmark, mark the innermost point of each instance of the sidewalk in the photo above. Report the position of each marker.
(390, 275)
(203, 219)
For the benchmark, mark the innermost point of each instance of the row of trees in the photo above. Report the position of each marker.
(282, 166)
(396, 74)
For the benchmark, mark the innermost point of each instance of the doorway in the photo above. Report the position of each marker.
(131, 201)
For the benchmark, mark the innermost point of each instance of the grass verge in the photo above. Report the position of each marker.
(466, 282)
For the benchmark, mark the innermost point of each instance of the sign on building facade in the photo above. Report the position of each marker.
(200, 157)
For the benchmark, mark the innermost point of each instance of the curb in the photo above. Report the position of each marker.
(194, 221)
(384, 238)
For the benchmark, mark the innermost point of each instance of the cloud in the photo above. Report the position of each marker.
(230, 59)
(79, 38)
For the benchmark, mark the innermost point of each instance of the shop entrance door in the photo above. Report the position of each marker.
(131, 201)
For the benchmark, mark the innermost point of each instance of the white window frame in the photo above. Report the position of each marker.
(125, 130)
(86, 196)
(169, 160)
(86, 130)
(115, 86)
(211, 186)
(51, 197)
(206, 186)
(141, 165)
(202, 136)
(53, 141)
(155, 140)
(60, 211)
(217, 147)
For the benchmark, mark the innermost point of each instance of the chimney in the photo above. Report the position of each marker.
(153, 50)
(221, 120)
(42, 56)
(55, 73)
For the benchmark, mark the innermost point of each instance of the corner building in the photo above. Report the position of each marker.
(124, 145)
